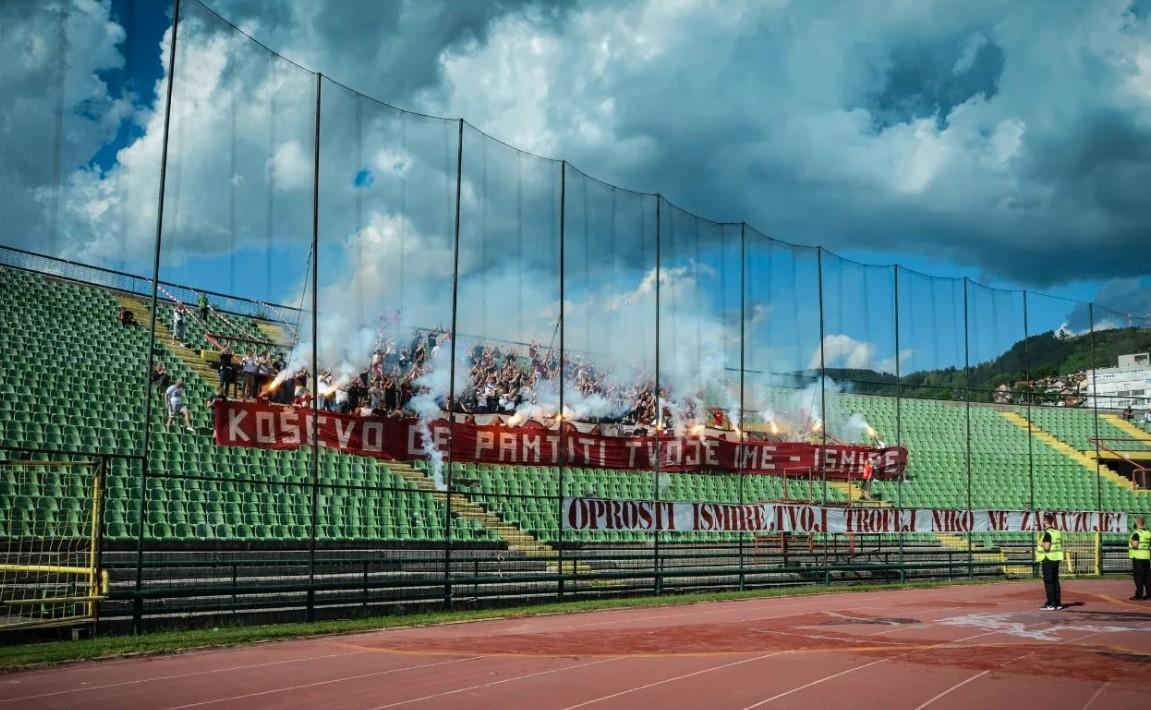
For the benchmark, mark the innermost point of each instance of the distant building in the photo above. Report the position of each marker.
(1126, 385)
(1063, 391)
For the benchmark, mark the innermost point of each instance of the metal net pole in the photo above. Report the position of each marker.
(452, 371)
(137, 612)
(315, 503)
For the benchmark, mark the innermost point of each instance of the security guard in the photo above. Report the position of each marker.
(1140, 554)
(1049, 552)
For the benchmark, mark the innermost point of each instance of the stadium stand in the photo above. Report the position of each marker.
(75, 353)
(1077, 431)
(936, 434)
(78, 385)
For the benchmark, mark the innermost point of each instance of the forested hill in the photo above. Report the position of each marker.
(1039, 356)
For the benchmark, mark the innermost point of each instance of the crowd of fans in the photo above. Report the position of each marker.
(514, 381)
(500, 380)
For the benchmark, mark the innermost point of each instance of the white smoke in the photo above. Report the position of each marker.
(427, 410)
(815, 409)
(696, 390)
(430, 404)
(857, 430)
(543, 403)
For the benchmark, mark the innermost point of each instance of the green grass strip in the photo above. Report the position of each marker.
(34, 655)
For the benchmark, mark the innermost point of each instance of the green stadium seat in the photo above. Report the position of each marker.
(265, 508)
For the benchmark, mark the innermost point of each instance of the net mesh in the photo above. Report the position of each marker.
(363, 257)
(50, 525)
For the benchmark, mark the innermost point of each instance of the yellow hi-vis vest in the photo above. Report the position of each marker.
(1056, 552)
(1143, 551)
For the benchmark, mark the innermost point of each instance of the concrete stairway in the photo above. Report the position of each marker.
(517, 539)
(189, 357)
(275, 333)
(1127, 428)
(956, 543)
(982, 554)
(1087, 462)
(856, 495)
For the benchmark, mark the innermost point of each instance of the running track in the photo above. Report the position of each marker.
(955, 647)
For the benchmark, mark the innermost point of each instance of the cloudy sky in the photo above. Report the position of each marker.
(1012, 139)
(1007, 141)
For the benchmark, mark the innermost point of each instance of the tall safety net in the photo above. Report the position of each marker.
(237, 222)
(323, 268)
(608, 330)
(507, 369)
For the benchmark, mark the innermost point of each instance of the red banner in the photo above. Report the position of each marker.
(274, 427)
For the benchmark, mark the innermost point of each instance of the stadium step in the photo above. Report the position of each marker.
(1127, 428)
(856, 495)
(275, 333)
(957, 543)
(1018, 570)
(190, 357)
(516, 538)
(1088, 463)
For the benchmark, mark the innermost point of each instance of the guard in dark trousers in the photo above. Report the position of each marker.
(1049, 553)
(1140, 553)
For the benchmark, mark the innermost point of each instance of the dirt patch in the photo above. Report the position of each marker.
(945, 604)
(1048, 660)
(801, 632)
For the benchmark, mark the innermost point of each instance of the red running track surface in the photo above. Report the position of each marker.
(953, 647)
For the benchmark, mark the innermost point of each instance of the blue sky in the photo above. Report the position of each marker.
(144, 24)
(1009, 142)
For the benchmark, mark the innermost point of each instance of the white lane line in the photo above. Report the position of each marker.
(496, 682)
(749, 660)
(1013, 660)
(777, 603)
(670, 680)
(678, 611)
(815, 682)
(319, 683)
(920, 624)
(797, 605)
(859, 619)
(825, 637)
(100, 665)
(1096, 696)
(957, 686)
(784, 694)
(176, 676)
